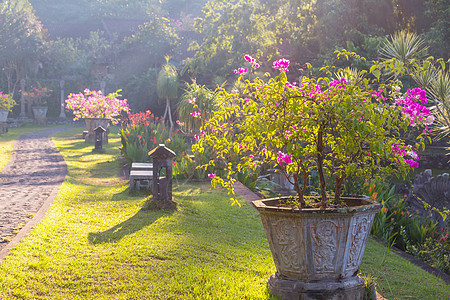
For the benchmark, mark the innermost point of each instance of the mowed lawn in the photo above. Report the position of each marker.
(98, 242)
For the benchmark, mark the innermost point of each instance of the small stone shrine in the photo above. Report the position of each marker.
(99, 133)
(162, 175)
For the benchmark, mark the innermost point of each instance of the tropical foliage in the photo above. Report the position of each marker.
(203, 97)
(143, 132)
(404, 55)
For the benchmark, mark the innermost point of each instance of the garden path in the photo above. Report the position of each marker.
(28, 182)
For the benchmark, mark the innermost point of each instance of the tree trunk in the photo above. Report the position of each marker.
(170, 117)
(337, 192)
(299, 191)
(323, 192)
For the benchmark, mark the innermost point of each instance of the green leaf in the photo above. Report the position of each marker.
(376, 73)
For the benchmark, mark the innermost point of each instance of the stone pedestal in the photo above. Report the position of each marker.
(91, 124)
(3, 127)
(352, 288)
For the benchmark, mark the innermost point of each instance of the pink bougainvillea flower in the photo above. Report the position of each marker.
(211, 175)
(291, 85)
(240, 71)
(193, 100)
(412, 163)
(281, 65)
(284, 158)
(252, 61)
(196, 137)
(249, 59)
(196, 114)
(339, 84)
(413, 109)
(93, 104)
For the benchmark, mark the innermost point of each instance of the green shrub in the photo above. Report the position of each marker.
(406, 230)
(435, 250)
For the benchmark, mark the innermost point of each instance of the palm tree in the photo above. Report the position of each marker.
(205, 99)
(409, 48)
(167, 88)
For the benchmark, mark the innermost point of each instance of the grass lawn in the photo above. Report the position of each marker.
(97, 242)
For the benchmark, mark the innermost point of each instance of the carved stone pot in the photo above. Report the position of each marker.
(91, 124)
(3, 119)
(40, 115)
(3, 115)
(317, 252)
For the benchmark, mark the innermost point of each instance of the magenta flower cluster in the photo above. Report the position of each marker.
(93, 104)
(196, 114)
(413, 108)
(402, 151)
(252, 61)
(281, 65)
(283, 158)
(339, 84)
(243, 71)
(240, 71)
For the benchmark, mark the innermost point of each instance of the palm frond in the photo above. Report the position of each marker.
(167, 82)
(404, 46)
(352, 75)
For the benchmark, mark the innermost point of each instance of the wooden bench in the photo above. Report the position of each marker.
(141, 175)
(142, 166)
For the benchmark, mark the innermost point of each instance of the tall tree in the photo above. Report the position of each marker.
(232, 29)
(21, 40)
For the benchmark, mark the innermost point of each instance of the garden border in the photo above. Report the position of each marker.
(29, 225)
(41, 212)
(424, 266)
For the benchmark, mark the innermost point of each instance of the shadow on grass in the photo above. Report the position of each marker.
(140, 220)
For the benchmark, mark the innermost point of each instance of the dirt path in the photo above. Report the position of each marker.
(29, 180)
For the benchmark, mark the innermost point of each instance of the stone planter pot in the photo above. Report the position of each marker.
(4, 115)
(317, 252)
(40, 115)
(91, 124)
(3, 119)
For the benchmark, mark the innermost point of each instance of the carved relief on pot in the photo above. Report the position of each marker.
(324, 244)
(359, 230)
(287, 243)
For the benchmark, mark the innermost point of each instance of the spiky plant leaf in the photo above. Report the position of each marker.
(350, 74)
(404, 46)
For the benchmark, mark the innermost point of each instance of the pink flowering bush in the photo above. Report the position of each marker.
(336, 127)
(6, 101)
(93, 104)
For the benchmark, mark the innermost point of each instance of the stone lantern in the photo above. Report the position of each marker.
(162, 174)
(99, 132)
